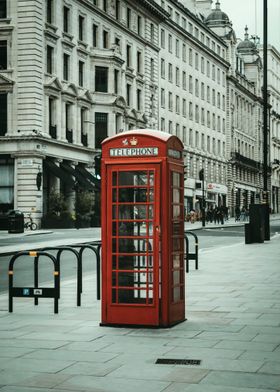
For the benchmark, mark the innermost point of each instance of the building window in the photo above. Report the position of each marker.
(162, 98)
(128, 92)
(3, 55)
(190, 84)
(152, 33)
(105, 39)
(170, 101)
(105, 5)
(152, 70)
(117, 9)
(49, 59)
(177, 77)
(3, 9)
(213, 97)
(170, 73)
(170, 127)
(66, 14)
(184, 77)
(196, 113)
(116, 81)
(190, 57)
(69, 131)
(101, 128)
(208, 94)
(213, 72)
(177, 104)
(208, 69)
(202, 65)
(162, 68)
(94, 35)
(128, 55)
(184, 107)
(190, 110)
(191, 137)
(128, 17)
(177, 48)
(162, 124)
(196, 88)
(66, 62)
(196, 61)
(139, 99)
(184, 52)
(203, 116)
(178, 130)
(139, 25)
(170, 43)
(101, 79)
(3, 114)
(81, 27)
(52, 125)
(49, 11)
(162, 38)
(81, 73)
(202, 91)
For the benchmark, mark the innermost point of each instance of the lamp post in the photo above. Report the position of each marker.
(265, 126)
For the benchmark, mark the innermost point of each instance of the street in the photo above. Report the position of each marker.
(220, 237)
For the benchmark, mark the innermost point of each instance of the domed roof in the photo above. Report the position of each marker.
(217, 16)
(246, 46)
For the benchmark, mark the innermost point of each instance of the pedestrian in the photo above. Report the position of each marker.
(237, 213)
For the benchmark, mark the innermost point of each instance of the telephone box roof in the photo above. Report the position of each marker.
(164, 136)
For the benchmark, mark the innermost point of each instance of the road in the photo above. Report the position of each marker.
(221, 237)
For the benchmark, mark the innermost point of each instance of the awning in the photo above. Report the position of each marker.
(91, 177)
(83, 182)
(58, 172)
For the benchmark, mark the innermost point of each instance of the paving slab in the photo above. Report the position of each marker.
(233, 327)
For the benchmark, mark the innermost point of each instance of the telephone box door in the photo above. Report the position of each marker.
(133, 249)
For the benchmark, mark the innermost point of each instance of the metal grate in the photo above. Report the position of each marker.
(167, 361)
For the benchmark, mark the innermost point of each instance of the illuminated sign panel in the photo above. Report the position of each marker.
(133, 152)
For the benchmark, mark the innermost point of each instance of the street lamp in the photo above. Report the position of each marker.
(265, 127)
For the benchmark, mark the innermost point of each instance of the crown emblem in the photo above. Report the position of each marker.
(133, 141)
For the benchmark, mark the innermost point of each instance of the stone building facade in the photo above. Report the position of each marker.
(73, 72)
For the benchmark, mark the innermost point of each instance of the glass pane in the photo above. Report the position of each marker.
(130, 245)
(176, 261)
(176, 179)
(176, 211)
(132, 211)
(133, 178)
(176, 195)
(151, 212)
(132, 296)
(176, 277)
(114, 180)
(177, 228)
(176, 294)
(129, 262)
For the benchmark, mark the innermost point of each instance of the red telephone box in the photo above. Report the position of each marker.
(143, 276)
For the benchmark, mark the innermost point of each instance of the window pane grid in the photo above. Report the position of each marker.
(132, 237)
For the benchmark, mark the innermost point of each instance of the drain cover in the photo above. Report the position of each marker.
(167, 361)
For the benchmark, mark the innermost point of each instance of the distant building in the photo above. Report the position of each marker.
(273, 80)
(74, 72)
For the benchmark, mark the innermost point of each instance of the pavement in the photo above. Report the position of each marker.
(232, 327)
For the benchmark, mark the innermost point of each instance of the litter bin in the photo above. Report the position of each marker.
(248, 234)
(16, 222)
(257, 221)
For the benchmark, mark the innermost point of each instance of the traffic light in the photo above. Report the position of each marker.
(97, 165)
(201, 175)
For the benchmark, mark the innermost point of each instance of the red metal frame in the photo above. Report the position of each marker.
(142, 254)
